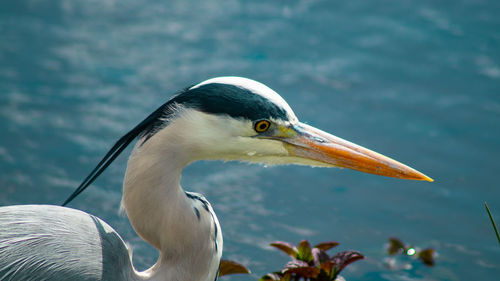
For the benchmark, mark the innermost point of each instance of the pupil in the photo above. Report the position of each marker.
(262, 126)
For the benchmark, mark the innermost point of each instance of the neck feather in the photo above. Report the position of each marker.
(163, 215)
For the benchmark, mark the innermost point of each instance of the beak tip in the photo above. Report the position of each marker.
(428, 179)
(422, 177)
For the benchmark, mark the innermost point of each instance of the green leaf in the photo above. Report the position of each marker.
(228, 267)
(285, 277)
(325, 246)
(305, 253)
(492, 222)
(287, 248)
(271, 277)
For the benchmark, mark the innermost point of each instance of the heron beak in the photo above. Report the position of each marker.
(305, 141)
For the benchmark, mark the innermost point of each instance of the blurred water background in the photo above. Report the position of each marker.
(418, 81)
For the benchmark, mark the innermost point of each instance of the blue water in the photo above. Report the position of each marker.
(418, 81)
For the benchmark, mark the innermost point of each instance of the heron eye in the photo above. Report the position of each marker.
(262, 126)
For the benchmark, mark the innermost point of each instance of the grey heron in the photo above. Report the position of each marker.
(224, 118)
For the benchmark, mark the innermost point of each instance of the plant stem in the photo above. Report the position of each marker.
(492, 221)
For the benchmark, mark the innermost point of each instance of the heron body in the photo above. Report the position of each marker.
(225, 118)
(59, 243)
(46, 242)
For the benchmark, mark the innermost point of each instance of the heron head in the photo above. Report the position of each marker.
(234, 118)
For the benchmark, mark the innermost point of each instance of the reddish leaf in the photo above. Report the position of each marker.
(343, 259)
(306, 272)
(301, 269)
(230, 267)
(325, 246)
(396, 246)
(319, 256)
(427, 256)
(327, 266)
(287, 248)
(296, 263)
(305, 253)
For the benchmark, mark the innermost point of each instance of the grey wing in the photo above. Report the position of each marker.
(43, 242)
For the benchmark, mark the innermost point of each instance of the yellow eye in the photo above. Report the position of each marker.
(262, 126)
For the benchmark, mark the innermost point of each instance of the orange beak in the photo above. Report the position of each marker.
(310, 143)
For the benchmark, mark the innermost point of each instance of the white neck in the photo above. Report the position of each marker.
(164, 216)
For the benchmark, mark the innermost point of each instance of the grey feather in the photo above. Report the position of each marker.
(42, 242)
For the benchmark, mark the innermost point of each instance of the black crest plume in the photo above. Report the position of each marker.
(118, 147)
